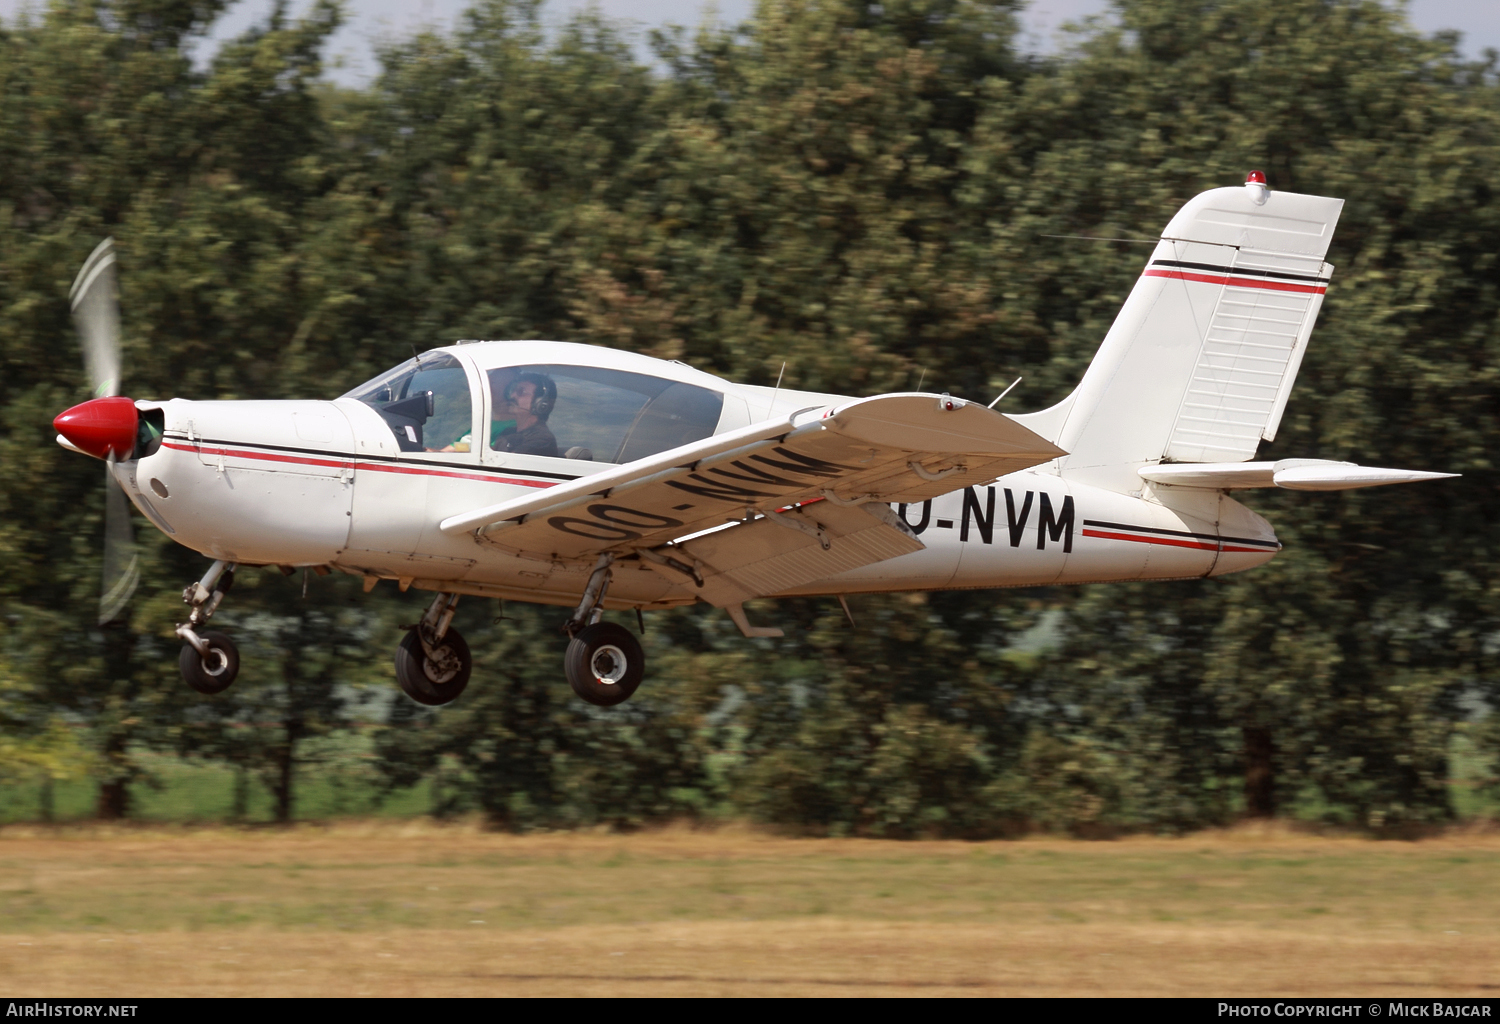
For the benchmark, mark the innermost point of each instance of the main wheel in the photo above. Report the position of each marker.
(436, 679)
(605, 663)
(214, 673)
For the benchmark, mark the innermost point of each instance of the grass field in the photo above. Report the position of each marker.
(385, 908)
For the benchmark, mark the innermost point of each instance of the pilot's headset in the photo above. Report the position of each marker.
(543, 398)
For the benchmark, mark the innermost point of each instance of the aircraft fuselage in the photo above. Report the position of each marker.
(324, 484)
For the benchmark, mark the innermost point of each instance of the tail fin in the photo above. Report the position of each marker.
(1201, 359)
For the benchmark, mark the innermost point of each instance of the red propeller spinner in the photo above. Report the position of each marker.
(101, 426)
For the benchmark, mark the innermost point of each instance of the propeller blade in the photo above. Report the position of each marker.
(96, 311)
(122, 569)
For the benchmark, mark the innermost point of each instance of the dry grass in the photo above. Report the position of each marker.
(419, 909)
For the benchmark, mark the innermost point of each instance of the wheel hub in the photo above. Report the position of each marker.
(442, 665)
(216, 662)
(608, 665)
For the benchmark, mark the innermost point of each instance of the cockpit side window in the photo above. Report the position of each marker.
(426, 403)
(594, 414)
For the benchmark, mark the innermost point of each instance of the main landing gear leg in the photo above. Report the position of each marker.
(433, 662)
(605, 662)
(209, 660)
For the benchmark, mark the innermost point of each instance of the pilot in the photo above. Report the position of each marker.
(530, 398)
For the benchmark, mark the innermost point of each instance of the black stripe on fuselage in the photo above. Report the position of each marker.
(1180, 533)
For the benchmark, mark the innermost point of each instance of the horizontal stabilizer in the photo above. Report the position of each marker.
(1348, 476)
(1291, 474)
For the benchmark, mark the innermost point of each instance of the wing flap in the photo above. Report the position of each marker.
(780, 551)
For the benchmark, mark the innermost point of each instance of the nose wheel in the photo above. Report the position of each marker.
(209, 660)
(212, 671)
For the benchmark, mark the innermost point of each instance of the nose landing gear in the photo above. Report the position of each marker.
(605, 662)
(433, 662)
(215, 668)
(209, 662)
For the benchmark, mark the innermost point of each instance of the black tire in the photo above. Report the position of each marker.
(433, 681)
(605, 664)
(214, 674)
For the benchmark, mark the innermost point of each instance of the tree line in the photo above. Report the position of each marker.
(870, 194)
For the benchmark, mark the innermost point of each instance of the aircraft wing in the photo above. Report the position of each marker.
(812, 485)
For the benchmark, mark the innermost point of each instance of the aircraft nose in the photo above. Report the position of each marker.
(101, 426)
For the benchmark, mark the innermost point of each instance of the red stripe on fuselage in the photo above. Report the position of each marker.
(1169, 541)
(300, 460)
(1240, 282)
(374, 467)
(1176, 543)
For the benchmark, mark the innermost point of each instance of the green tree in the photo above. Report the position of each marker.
(872, 194)
(203, 178)
(1337, 666)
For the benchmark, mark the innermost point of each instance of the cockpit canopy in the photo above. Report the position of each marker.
(554, 410)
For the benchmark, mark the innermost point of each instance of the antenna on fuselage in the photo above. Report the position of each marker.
(1005, 392)
(777, 390)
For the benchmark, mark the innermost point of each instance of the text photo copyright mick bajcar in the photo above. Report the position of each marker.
(1321, 1008)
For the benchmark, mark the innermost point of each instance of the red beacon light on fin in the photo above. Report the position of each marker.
(1255, 184)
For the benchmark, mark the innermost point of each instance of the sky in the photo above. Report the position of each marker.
(352, 48)
(1478, 20)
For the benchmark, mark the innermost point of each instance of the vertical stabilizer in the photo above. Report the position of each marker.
(1201, 359)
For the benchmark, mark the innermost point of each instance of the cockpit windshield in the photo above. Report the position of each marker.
(425, 401)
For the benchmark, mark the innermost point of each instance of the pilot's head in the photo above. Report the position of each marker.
(532, 392)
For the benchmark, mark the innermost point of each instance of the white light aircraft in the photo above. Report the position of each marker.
(582, 477)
